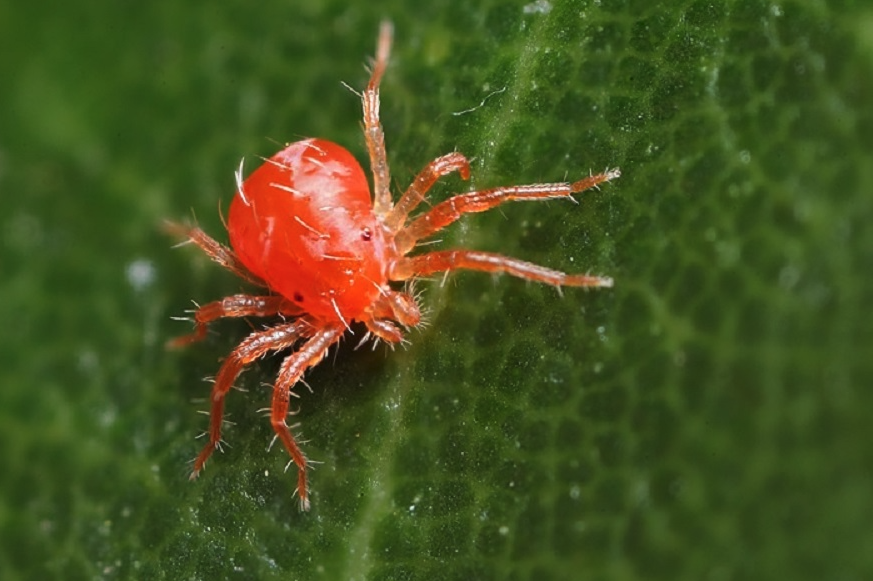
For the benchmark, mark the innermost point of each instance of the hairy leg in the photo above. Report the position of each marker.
(213, 249)
(392, 305)
(450, 210)
(385, 330)
(234, 306)
(423, 182)
(292, 370)
(253, 347)
(447, 260)
(373, 133)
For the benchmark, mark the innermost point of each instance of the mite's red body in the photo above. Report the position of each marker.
(303, 222)
(304, 227)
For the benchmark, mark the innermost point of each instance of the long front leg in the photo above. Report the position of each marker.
(292, 370)
(450, 210)
(253, 347)
(373, 132)
(448, 260)
(234, 306)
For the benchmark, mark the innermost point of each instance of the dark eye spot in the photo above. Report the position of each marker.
(298, 298)
(366, 235)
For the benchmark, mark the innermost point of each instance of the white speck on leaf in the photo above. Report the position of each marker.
(140, 274)
(538, 7)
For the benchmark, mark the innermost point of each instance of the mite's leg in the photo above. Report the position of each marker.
(385, 330)
(373, 133)
(450, 210)
(292, 370)
(235, 306)
(448, 260)
(215, 250)
(397, 306)
(424, 181)
(253, 347)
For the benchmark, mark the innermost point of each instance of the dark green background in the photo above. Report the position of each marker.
(708, 418)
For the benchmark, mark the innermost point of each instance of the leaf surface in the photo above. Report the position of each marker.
(706, 418)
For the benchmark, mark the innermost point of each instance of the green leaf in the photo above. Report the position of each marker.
(706, 418)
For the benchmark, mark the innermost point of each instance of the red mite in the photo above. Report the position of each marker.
(304, 227)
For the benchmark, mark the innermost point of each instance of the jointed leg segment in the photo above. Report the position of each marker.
(384, 329)
(450, 210)
(235, 306)
(373, 133)
(447, 260)
(311, 353)
(215, 250)
(253, 347)
(423, 182)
